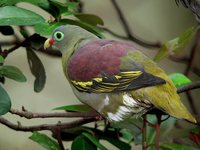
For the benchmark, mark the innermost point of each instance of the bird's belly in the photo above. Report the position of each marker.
(115, 106)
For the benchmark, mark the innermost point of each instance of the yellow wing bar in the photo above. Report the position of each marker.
(107, 84)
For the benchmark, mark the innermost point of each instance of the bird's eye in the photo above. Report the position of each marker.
(58, 36)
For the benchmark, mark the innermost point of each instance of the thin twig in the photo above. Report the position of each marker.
(148, 122)
(191, 102)
(179, 59)
(128, 30)
(189, 87)
(80, 5)
(185, 59)
(196, 70)
(191, 58)
(189, 68)
(57, 135)
(157, 138)
(144, 133)
(165, 118)
(27, 42)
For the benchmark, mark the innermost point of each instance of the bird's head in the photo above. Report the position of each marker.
(66, 36)
(58, 38)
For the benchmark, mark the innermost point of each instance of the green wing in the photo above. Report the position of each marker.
(131, 76)
(124, 81)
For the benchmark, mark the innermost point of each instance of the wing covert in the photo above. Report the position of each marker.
(125, 81)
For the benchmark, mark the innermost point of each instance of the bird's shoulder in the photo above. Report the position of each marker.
(96, 58)
(108, 66)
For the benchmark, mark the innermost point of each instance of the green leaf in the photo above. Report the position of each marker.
(82, 143)
(44, 141)
(6, 30)
(5, 102)
(176, 45)
(126, 135)
(132, 125)
(64, 8)
(75, 108)
(177, 133)
(93, 29)
(72, 133)
(24, 32)
(43, 3)
(195, 130)
(177, 147)
(94, 141)
(37, 69)
(46, 28)
(11, 15)
(1, 59)
(90, 19)
(37, 41)
(119, 144)
(12, 72)
(72, 5)
(6, 2)
(179, 79)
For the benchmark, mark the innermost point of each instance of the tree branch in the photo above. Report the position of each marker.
(193, 53)
(144, 133)
(27, 42)
(30, 115)
(191, 102)
(87, 116)
(185, 59)
(189, 87)
(128, 31)
(157, 128)
(196, 70)
(50, 127)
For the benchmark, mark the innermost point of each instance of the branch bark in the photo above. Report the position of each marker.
(189, 87)
(30, 115)
(50, 127)
(27, 42)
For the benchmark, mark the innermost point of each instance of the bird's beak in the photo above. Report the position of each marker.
(48, 43)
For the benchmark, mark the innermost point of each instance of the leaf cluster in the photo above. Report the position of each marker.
(12, 15)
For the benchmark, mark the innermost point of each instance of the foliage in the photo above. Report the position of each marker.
(44, 141)
(75, 108)
(5, 102)
(179, 79)
(12, 15)
(120, 135)
(176, 45)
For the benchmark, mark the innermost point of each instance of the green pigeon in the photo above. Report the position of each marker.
(114, 78)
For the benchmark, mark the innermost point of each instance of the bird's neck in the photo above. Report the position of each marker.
(72, 47)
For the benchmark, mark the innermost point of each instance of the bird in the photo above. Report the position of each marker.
(114, 77)
(193, 5)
